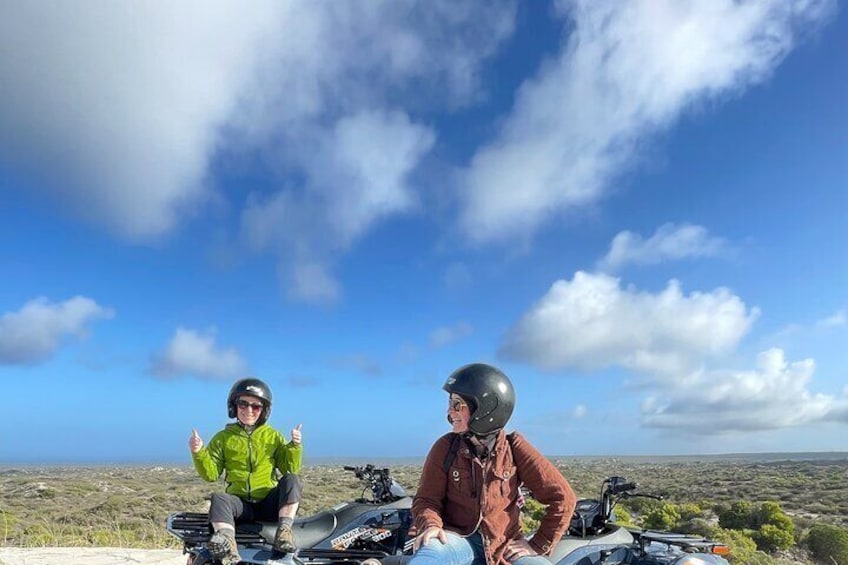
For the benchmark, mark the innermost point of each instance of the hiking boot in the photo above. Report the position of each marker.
(284, 540)
(223, 547)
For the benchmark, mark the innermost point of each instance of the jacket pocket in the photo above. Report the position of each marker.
(507, 481)
(460, 481)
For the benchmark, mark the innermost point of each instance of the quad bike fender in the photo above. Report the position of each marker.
(570, 544)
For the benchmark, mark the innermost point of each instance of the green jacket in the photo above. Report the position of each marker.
(249, 460)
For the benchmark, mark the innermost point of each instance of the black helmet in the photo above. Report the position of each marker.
(253, 387)
(490, 392)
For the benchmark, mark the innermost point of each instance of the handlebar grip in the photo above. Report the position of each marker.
(349, 468)
(624, 487)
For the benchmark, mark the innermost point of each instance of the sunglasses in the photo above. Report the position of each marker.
(244, 405)
(456, 405)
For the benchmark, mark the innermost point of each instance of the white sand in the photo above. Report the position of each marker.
(89, 556)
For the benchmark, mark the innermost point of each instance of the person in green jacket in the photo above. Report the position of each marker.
(249, 452)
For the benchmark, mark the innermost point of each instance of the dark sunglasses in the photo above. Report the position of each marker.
(456, 405)
(255, 406)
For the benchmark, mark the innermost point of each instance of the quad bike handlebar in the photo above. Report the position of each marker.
(379, 480)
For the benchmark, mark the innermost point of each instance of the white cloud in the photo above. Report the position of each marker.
(356, 175)
(39, 328)
(669, 242)
(774, 395)
(196, 354)
(837, 319)
(121, 105)
(591, 322)
(449, 334)
(579, 412)
(627, 71)
(126, 107)
(359, 362)
(310, 282)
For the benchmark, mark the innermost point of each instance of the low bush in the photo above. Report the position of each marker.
(828, 544)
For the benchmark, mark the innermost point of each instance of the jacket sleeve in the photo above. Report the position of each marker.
(548, 487)
(289, 457)
(209, 461)
(429, 501)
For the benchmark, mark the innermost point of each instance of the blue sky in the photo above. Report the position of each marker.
(636, 210)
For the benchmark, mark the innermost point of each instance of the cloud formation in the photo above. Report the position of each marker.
(835, 320)
(327, 117)
(625, 72)
(358, 362)
(591, 322)
(192, 353)
(669, 242)
(446, 335)
(356, 175)
(129, 138)
(39, 328)
(579, 412)
(774, 395)
(120, 109)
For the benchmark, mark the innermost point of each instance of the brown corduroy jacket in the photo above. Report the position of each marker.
(475, 495)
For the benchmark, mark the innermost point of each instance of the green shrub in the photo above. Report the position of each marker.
(743, 549)
(664, 517)
(698, 526)
(622, 516)
(829, 544)
(771, 513)
(737, 516)
(690, 510)
(532, 514)
(772, 529)
(773, 538)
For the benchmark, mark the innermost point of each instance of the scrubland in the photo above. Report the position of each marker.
(127, 506)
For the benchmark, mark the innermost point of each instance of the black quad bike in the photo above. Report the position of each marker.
(351, 532)
(375, 530)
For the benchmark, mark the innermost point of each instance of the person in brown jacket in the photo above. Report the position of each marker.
(466, 510)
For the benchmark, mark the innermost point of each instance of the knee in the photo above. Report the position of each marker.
(291, 480)
(221, 508)
(290, 488)
(219, 500)
(433, 552)
(291, 483)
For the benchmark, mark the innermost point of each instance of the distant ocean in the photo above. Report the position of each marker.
(633, 459)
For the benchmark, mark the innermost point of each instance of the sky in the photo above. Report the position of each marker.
(636, 210)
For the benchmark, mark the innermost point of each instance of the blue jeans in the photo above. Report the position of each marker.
(462, 551)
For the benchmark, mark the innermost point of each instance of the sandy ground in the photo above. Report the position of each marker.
(89, 556)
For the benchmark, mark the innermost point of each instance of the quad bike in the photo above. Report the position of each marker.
(593, 537)
(351, 532)
(376, 530)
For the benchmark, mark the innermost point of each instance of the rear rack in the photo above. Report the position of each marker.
(194, 528)
(688, 543)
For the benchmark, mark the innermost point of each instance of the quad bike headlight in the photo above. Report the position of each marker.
(701, 560)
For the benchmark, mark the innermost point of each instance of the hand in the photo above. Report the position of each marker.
(295, 435)
(427, 535)
(195, 443)
(518, 548)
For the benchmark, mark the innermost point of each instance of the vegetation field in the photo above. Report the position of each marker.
(127, 506)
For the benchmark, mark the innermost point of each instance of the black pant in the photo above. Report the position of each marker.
(228, 508)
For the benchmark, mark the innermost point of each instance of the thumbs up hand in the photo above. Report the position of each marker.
(295, 434)
(195, 443)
